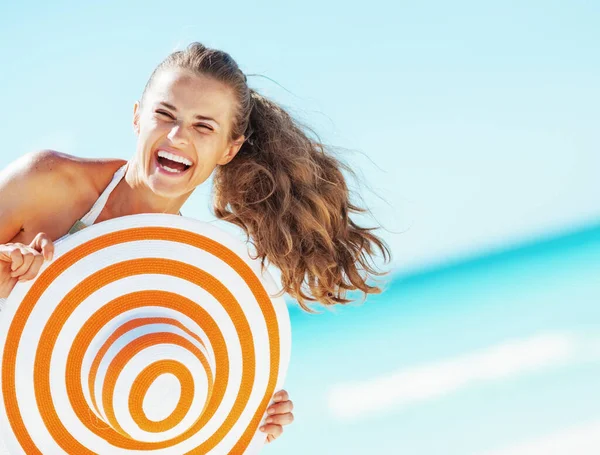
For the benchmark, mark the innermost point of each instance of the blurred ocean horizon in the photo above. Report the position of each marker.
(457, 360)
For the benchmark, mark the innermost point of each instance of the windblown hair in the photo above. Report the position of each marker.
(286, 192)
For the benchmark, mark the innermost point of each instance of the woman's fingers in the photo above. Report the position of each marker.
(34, 268)
(279, 414)
(16, 258)
(21, 260)
(26, 260)
(44, 244)
(272, 430)
(282, 395)
(281, 408)
(281, 419)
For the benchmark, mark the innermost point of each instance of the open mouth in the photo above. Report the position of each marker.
(171, 163)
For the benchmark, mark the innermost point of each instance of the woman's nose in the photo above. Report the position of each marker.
(178, 135)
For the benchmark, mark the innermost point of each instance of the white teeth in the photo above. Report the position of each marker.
(167, 168)
(173, 157)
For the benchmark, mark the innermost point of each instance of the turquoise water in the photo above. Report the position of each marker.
(550, 289)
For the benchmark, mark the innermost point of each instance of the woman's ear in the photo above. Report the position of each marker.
(136, 117)
(232, 150)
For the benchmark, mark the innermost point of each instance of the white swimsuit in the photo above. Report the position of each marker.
(90, 217)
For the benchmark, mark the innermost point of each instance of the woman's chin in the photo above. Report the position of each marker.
(165, 189)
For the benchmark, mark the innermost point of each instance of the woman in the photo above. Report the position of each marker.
(198, 115)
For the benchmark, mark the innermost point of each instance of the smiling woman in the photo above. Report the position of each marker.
(197, 116)
(182, 123)
(290, 196)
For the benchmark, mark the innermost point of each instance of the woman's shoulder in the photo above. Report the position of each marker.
(97, 172)
(65, 171)
(39, 180)
(42, 188)
(34, 177)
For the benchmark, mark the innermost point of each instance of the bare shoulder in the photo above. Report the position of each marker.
(42, 164)
(26, 185)
(38, 173)
(38, 184)
(97, 172)
(54, 171)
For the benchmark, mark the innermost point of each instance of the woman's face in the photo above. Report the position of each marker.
(184, 128)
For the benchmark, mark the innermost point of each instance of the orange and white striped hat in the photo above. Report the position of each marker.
(146, 334)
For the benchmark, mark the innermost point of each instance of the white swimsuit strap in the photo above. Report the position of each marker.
(96, 209)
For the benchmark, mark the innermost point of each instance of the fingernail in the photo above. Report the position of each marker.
(262, 428)
(270, 411)
(269, 420)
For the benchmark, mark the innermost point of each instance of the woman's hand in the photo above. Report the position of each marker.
(280, 413)
(19, 262)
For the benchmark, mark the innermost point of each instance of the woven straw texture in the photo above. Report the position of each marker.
(146, 334)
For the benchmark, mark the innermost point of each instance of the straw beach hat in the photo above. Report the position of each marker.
(145, 334)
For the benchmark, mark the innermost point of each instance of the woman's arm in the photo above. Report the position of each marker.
(26, 186)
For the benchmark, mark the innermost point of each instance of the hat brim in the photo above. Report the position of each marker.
(151, 333)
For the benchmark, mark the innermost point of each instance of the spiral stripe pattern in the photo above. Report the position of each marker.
(148, 333)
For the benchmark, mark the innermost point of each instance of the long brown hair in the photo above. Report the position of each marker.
(287, 193)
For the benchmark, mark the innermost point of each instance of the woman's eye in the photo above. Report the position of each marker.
(204, 127)
(165, 114)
